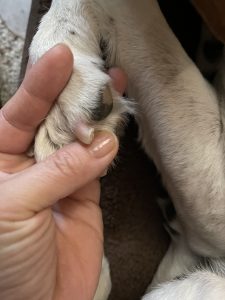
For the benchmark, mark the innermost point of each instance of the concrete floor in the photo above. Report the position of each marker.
(14, 16)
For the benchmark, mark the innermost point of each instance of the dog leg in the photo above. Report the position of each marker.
(180, 117)
(198, 285)
(181, 120)
(178, 261)
(89, 102)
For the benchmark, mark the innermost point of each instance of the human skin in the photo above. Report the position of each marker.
(51, 235)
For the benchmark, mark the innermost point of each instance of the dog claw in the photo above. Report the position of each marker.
(84, 133)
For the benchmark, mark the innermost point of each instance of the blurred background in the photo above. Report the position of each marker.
(14, 16)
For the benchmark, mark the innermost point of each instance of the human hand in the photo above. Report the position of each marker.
(51, 237)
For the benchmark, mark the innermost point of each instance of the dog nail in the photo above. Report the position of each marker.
(84, 133)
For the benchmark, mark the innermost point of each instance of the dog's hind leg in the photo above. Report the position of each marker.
(195, 286)
(179, 259)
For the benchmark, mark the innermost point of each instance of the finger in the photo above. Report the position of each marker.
(119, 79)
(90, 192)
(63, 173)
(86, 196)
(14, 163)
(43, 82)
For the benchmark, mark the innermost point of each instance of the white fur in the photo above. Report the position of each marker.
(178, 260)
(74, 24)
(180, 117)
(199, 285)
(104, 286)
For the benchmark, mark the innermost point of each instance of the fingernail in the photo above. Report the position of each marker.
(104, 142)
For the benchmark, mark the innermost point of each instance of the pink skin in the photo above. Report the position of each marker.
(50, 221)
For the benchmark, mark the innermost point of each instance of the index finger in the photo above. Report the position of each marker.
(21, 116)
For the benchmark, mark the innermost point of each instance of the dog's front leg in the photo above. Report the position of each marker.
(181, 123)
(89, 98)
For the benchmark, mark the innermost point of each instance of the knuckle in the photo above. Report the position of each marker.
(68, 164)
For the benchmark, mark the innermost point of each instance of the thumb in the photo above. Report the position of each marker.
(61, 174)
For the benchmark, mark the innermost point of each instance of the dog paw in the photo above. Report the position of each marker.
(88, 103)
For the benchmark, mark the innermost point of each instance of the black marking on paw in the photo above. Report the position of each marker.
(181, 277)
(95, 63)
(104, 48)
(101, 112)
(99, 66)
(73, 32)
(105, 105)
